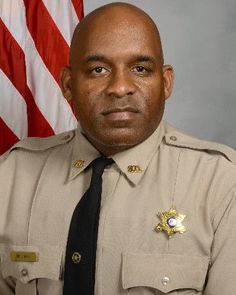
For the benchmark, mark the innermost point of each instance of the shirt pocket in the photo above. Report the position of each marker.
(164, 272)
(46, 264)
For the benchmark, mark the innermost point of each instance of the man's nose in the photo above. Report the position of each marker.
(120, 84)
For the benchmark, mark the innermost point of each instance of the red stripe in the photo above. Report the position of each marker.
(7, 137)
(79, 8)
(48, 40)
(12, 63)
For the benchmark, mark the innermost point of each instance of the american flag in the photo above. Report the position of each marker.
(34, 46)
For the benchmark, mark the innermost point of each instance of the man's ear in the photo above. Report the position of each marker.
(168, 76)
(65, 78)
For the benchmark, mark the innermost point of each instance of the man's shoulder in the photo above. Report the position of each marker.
(40, 144)
(179, 139)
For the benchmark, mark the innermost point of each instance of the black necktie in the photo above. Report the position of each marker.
(81, 248)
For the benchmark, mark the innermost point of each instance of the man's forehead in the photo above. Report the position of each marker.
(127, 50)
(118, 23)
(115, 16)
(113, 11)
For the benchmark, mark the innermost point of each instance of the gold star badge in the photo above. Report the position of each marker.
(171, 222)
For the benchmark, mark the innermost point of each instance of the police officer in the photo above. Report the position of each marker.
(167, 216)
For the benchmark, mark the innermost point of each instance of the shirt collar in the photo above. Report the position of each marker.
(132, 162)
(83, 153)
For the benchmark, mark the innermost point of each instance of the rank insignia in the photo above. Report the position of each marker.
(78, 164)
(171, 222)
(134, 169)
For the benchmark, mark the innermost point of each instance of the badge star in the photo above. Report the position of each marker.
(171, 222)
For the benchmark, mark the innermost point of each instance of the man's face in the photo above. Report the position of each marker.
(118, 84)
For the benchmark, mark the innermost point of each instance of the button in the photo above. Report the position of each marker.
(173, 138)
(165, 281)
(24, 272)
(76, 257)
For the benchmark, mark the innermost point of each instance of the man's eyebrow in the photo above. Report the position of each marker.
(138, 58)
(94, 57)
(143, 58)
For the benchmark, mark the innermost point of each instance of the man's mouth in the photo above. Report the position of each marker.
(121, 113)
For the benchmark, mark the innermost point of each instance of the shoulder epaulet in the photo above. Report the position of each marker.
(43, 143)
(179, 139)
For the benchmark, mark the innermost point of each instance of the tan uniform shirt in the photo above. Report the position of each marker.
(42, 180)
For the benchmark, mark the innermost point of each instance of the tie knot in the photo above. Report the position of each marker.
(99, 164)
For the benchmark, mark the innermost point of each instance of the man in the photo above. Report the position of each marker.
(167, 216)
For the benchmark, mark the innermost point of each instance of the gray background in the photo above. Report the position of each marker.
(199, 40)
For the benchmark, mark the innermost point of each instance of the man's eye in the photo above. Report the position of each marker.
(139, 69)
(99, 70)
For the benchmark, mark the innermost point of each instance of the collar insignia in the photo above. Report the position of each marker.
(171, 222)
(78, 164)
(134, 169)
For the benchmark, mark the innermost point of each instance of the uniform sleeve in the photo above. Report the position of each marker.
(221, 275)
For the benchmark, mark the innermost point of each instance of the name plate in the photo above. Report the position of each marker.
(18, 256)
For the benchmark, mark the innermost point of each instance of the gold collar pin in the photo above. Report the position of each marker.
(78, 164)
(134, 169)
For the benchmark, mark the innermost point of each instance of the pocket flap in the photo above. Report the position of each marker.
(47, 265)
(164, 272)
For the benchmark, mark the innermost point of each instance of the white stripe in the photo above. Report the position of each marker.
(64, 15)
(13, 15)
(13, 109)
(46, 92)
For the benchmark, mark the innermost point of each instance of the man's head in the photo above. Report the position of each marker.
(116, 77)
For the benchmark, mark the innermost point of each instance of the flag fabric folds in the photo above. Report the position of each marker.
(34, 46)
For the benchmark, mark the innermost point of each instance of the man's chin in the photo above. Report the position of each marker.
(113, 140)
(121, 141)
